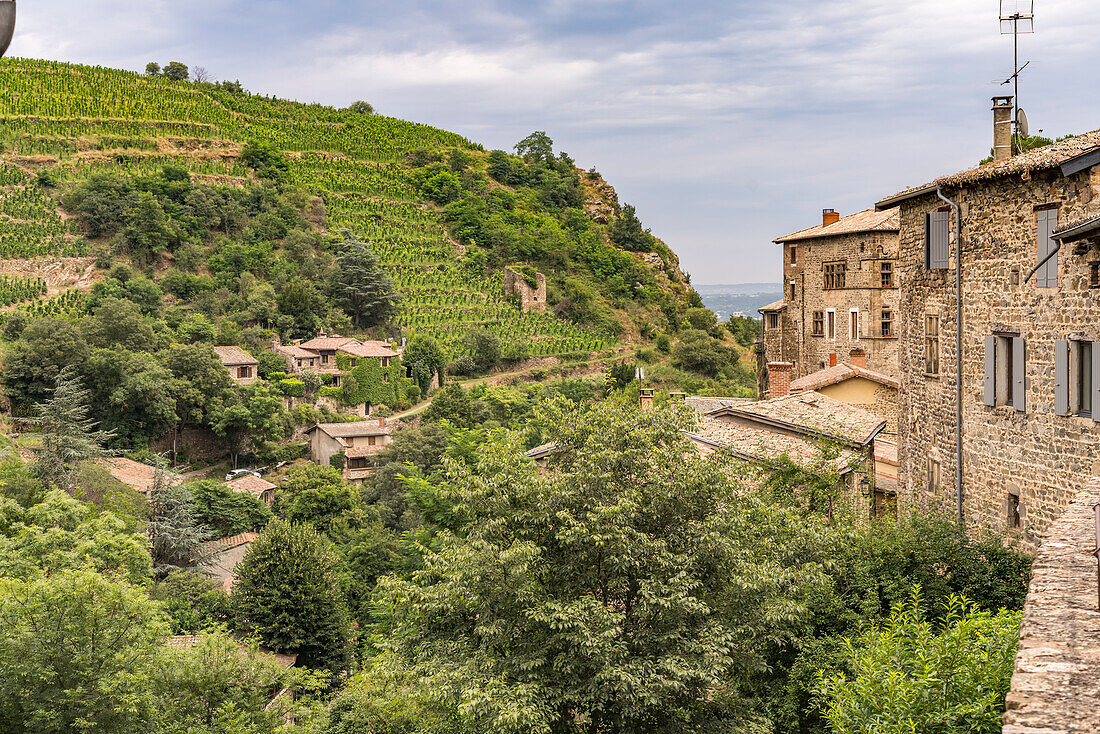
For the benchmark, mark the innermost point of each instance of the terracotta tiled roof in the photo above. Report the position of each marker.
(1078, 229)
(360, 452)
(352, 430)
(135, 474)
(1049, 156)
(867, 220)
(332, 342)
(814, 413)
(368, 349)
(759, 443)
(235, 355)
(777, 306)
(287, 660)
(249, 484)
(704, 405)
(544, 450)
(234, 541)
(293, 350)
(886, 452)
(840, 373)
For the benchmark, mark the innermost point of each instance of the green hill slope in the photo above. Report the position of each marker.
(63, 122)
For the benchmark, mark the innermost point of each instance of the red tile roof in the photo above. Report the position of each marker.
(840, 373)
(293, 350)
(867, 220)
(760, 443)
(249, 484)
(813, 413)
(327, 343)
(777, 306)
(234, 356)
(368, 349)
(354, 429)
(135, 474)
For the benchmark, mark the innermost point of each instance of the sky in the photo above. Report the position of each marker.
(727, 124)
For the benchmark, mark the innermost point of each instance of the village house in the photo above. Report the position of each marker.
(223, 555)
(856, 384)
(242, 366)
(840, 294)
(261, 489)
(1010, 445)
(356, 442)
(137, 475)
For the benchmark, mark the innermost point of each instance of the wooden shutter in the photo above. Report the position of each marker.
(1061, 377)
(937, 241)
(1096, 381)
(990, 381)
(1019, 374)
(927, 241)
(1047, 222)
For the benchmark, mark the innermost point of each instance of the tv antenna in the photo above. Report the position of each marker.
(1017, 16)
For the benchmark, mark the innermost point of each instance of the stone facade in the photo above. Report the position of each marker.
(840, 295)
(1056, 682)
(1022, 464)
(532, 299)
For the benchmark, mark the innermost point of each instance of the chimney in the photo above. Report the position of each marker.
(321, 334)
(779, 379)
(829, 216)
(858, 358)
(832, 359)
(1002, 128)
(297, 342)
(381, 421)
(677, 397)
(646, 398)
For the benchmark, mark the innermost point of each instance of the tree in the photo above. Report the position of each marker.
(913, 674)
(483, 346)
(193, 601)
(175, 533)
(699, 352)
(119, 323)
(316, 496)
(258, 416)
(701, 318)
(424, 355)
(177, 72)
(196, 328)
(536, 147)
(360, 286)
(75, 654)
(627, 232)
(152, 68)
(68, 435)
(201, 75)
(201, 383)
(45, 347)
(452, 404)
(266, 159)
(361, 108)
(225, 511)
(288, 592)
(628, 586)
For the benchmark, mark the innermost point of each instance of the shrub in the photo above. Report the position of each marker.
(292, 388)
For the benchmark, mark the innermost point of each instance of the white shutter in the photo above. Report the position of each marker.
(1061, 377)
(990, 381)
(1019, 374)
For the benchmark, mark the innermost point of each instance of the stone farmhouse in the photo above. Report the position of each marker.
(357, 442)
(1000, 274)
(242, 366)
(840, 295)
(320, 354)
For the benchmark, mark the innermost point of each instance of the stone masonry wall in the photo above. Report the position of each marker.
(1035, 455)
(804, 292)
(532, 299)
(1056, 683)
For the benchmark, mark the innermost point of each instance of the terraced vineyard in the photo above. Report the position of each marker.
(73, 119)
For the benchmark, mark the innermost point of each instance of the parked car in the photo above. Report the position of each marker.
(238, 473)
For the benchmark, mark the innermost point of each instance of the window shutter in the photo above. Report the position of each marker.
(1061, 377)
(938, 245)
(1047, 276)
(927, 240)
(1019, 374)
(990, 383)
(1096, 381)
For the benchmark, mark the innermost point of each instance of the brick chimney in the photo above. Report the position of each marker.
(1002, 128)
(381, 421)
(677, 397)
(646, 398)
(779, 379)
(829, 216)
(858, 358)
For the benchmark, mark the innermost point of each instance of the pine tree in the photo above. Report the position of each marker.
(69, 436)
(175, 534)
(360, 286)
(288, 592)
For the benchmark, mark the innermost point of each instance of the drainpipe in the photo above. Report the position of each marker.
(1043, 262)
(958, 356)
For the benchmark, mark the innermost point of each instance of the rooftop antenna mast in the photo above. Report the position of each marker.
(1017, 16)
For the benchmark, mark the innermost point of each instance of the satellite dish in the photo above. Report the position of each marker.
(7, 24)
(1021, 124)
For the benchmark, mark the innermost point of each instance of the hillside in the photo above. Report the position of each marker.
(376, 176)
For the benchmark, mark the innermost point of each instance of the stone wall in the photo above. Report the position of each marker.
(1056, 682)
(532, 299)
(1035, 456)
(804, 293)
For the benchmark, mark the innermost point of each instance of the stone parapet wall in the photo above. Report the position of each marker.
(1056, 683)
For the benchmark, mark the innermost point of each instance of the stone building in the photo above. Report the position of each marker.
(1030, 331)
(357, 442)
(242, 366)
(531, 298)
(840, 294)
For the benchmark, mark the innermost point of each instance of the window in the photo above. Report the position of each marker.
(1046, 221)
(371, 440)
(1094, 275)
(885, 504)
(792, 289)
(1005, 381)
(352, 362)
(385, 377)
(1013, 503)
(819, 323)
(935, 239)
(773, 321)
(385, 361)
(794, 254)
(886, 322)
(886, 274)
(244, 372)
(834, 275)
(359, 462)
(830, 324)
(1077, 378)
(931, 344)
(853, 324)
(933, 470)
